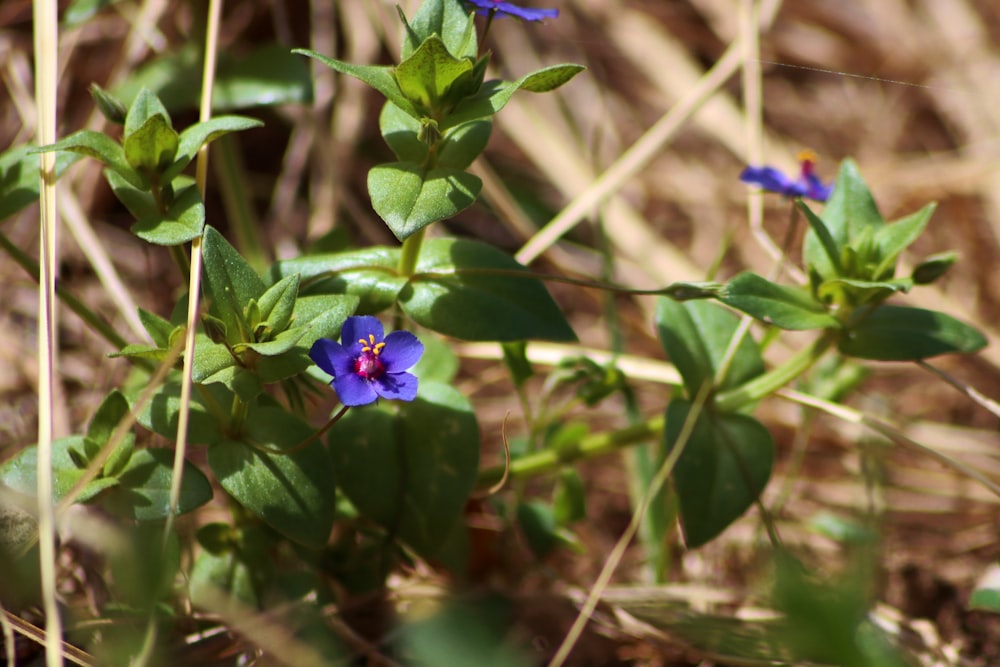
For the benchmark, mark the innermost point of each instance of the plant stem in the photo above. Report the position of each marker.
(238, 415)
(775, 379)
(410, 253)
(549, 460)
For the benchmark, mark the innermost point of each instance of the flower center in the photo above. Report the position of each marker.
(368, 365)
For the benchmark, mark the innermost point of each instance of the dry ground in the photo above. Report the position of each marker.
(910, 89)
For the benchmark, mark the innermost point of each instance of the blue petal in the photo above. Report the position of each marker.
(331, 357)
(354, 390)
(509, 9)
(771, 179)
(396, 386)
(817, 190)
(402, 350)
(359, 327)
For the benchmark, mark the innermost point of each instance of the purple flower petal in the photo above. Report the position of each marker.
(768, 178)
(354, 390)
(359, 327)
(330, 356)
(484, 7)
(402, 350)
(396, 386)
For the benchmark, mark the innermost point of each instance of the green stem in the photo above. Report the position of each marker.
(238, 415)
(550, 460)
(87, 315)
(411, 252)
(775, 379)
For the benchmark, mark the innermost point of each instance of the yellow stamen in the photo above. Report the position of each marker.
(808, 156)
(370, 345)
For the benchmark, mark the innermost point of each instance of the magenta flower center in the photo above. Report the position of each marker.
(368, 365)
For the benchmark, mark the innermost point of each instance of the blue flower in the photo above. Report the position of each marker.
(366, 364)
(808, 184)
(499, 8)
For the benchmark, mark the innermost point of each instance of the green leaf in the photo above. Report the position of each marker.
(110, 106)
(193, 138)
(722, 471)
(158, 328)
(409, 197)
(236, 562)
(780, 305)
(902, 333)
(293, 493)
(183, 222)
(426, 78)
(144, 107)
(473, 291)
(538, 524)
(80, 11)
(822, 250)
(143, 492)
(323, 314)
(160, 414)
(494, 95)
(19, 472)
(448, 19)
(102, 147)
(860, 292)
(230, 282)
(369, 273)
(850, 210)
(19, 182)
(151, 148)
(412, 471)
(267, 76)
(569, 500)
(379, 77)
(550, 78)
(402, 132)
(932, 268)
(277, 303)
(461, 145)
(696, 336)
(895, 237)
(112, 410)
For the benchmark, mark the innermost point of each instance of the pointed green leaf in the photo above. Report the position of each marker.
(277, 303)
(723, 469)
(933, 267)
(550, 78)
(494, 95)
(158, 328)
(427, 76)
(450, 20)
(409, 197)
(822, 250)
(102, 147)
(230, 282)
(145, 106)
(696, 336)
(402, 132)
(19, 182)
(902, 333)
(861, 292)
(379, 77)
(160, 414)
(411, 471)
(183, 221)
(112, 410)
(850, 209)
(461, 145)
(783, 306)
(143, 492)
(19, 472)
(457, 148)
(895, 237)
(193, 138)
(369, 273)
(473, 291)
(151, 148)
(293, 493)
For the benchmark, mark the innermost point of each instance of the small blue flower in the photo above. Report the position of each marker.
(366, 364)
(808, 184)
(499, 8)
